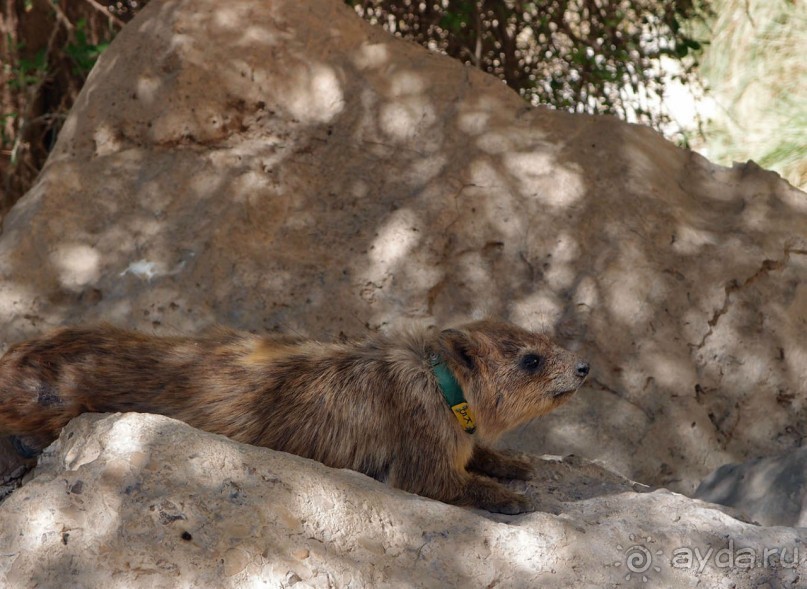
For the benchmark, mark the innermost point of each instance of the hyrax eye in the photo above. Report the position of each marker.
(531, 362)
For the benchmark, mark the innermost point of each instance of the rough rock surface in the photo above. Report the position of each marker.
(771, 490)
(145, 501)
(285, 165)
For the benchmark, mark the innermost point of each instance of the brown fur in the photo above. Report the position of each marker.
(373, 406)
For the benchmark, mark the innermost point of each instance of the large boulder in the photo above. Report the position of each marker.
(284, 165)
(770, 490)
(139, 500)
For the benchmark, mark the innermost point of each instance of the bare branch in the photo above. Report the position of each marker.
(105, 11)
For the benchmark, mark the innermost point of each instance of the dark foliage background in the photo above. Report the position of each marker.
(594, 56)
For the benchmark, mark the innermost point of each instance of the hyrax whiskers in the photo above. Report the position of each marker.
(381, 406)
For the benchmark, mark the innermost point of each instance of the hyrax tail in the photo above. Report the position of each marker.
(32, 407)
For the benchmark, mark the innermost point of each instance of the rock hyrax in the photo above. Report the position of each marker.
(381, 406)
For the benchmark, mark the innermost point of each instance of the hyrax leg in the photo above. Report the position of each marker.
(498, 464)
(446, 481)
(487, 494)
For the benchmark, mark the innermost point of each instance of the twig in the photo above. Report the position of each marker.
(23, 120)
(62, 17)
(106, 12)
(748, 14)
(478, 48)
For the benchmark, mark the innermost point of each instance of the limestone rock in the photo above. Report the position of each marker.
(139, 500)
(285, 165)
(771, 490)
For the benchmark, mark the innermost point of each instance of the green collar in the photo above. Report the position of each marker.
(452, 391)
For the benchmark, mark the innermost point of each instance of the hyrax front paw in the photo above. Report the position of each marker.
(517, 504)
(489, 495)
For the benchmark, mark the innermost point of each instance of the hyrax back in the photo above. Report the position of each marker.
(374, 406)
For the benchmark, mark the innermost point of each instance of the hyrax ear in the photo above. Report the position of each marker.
(459, 346)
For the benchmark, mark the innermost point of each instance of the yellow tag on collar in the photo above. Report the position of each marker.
(452, 393)
(465, 417)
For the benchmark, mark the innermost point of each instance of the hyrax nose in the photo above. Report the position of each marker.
(582, 369)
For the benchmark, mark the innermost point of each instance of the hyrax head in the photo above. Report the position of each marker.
(510, 375)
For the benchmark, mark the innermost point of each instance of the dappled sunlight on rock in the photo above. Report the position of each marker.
(202, 185)
(543, 178)
(693, 330)
(396, 238)
(41, 517)
(249, 186)
(406, 83)
(106, 142)
(688, 240)
(284, 165)
(669, 372)
(258, 35)
(147, 89)
(483, 173)
(166, 503)
(406, 117)
(230, 18)
(78, 265)
(474, 122)
(426, 169)
(495, 142)
(315, 95)
(477, 273)
(587, 294)
(371, 55)
(499, 211)
(173, 127)
(14, 298)
(236, 19)
(626, 294)
(796, 354)
(561, 273)
(506, 136)
(539, 311)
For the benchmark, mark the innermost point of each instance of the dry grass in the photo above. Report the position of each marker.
(756, 70)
